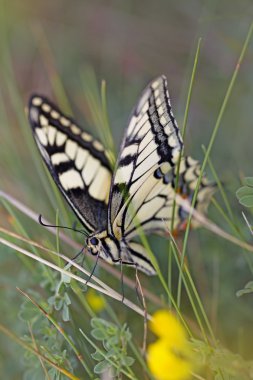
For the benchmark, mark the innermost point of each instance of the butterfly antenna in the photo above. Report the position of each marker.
(57, 226)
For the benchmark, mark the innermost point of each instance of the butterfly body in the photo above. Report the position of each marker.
(139, 193)
(109, 248)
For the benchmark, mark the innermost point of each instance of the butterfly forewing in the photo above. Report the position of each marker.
(152, 143)
(77, 162)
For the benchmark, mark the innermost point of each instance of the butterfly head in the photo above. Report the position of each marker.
(94, 245)
(104, 245)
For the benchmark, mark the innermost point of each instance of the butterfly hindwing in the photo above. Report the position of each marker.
(77, 162)
(188, 177)
(137, 254)
(159, 212)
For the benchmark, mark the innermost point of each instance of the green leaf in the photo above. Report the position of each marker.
(247, 201)
(100, 323)
(51, 300)
(113, 341)
(111, 352)
(127, 335)
(65, 313)
(97, 356)
(99, 334)
(101, 367)
(67, 300)
(244, 191)
(65, 278)
(247, 289)
(245, 194)
(58, 303)
(128, 361)
(248, 181)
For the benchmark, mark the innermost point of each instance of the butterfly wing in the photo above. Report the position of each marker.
(187, 181)
(143, 187)
(77, 162)
(137, 254)
(151, 145)
(158, 208)
(158, 211)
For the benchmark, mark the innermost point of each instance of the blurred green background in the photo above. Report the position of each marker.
(128, 43)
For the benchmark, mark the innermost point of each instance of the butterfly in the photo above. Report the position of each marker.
(113, 205)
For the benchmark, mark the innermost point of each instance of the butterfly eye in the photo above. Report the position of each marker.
(94, 241)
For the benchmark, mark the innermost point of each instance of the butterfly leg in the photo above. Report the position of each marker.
(69, 265)
(93, 270)
(122, 281)
(123, 262)
(142, 300)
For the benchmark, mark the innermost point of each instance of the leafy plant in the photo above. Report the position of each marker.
(45, 339)
(114, 340)
(245, 193)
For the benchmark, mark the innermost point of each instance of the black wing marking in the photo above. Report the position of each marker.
(77, 162)
(152, 140)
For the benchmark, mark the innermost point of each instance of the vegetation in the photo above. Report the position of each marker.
(56, 325)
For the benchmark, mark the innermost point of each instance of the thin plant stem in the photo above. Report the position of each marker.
(112, 294)
(186, 113)
(209, 148)
(110, 269)
(27, 347)
(36, 348)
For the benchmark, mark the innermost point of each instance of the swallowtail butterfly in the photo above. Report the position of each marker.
(139, 192)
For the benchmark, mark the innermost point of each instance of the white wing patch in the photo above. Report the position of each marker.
(64, 121)
(41, 136)
(60, 138)
(81, 157)
(51, 133)
(101, 181)
(58, 158)
(90, 169)
(71, 180)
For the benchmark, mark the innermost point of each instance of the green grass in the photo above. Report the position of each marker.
(46, 321)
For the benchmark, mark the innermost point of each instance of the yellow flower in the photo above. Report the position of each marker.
(167, 362)
(170, 357)
(165, 325)
(95, 301)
